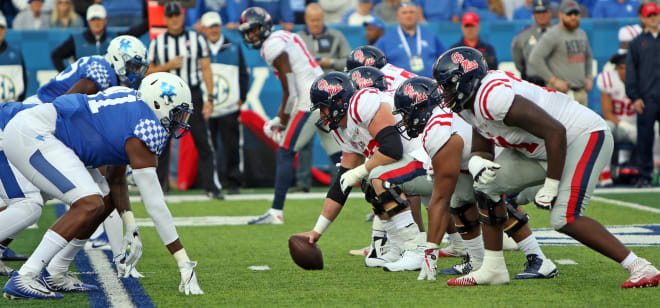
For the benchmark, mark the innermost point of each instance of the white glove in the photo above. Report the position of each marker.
(131, 247)
(273, 129)
(189, 283)
(482, 170)
(546, 196)
(126, 271)
(629, 129)
(353, 176)
(429, 266)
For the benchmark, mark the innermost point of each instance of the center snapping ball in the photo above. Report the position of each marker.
(304, 254)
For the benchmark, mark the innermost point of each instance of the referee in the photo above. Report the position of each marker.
(186, 54)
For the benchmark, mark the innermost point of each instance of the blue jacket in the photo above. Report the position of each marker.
(614, 9)
(643, 68)
(521, 13)
(279, 10)
(438, 10)
(391, 45)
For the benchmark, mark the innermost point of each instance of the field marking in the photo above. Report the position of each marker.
(625, 190)
(565, 262)
(248, 197)
(631, 205)
(632, 235)
(201, 221)
(114, 290)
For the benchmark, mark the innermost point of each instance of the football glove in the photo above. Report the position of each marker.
(546, 196)
(429, 266)
(482, 170)
(353, 176)
(131, 247)
(189, 285)
(273, 129)
(126, 271)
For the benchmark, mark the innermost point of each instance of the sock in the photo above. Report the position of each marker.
(392, 234)
(181, 256)
(377, 229)
(276, 212)
(114, 229)
(493, 259)
(629, 260)
(283, 176)
(475, 247)
(529, 246)
(98, 232)
(50, 244)
(454, 238)
(61, 261)
(403, 219)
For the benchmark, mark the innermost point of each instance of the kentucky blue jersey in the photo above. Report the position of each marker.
(95, 68)
(97, 126)
(9, 110)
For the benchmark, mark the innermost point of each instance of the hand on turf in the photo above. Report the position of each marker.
(189, 284)
(546, 196)
(482, 170)
(126, 271)
(131, 246)
(429, 266)
(313, 236)
(352, 177)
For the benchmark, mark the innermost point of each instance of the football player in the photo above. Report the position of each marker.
(52, 144)
(548, 138)
(447, 140)
(288, 57)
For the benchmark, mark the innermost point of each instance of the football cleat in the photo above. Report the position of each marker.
(411, 260)
(64, 282)
(453, 250)
(377, 256)
(189, 284)
(463, 268)
(100, 242)
(10, 255)
(362, 252)
(482, 276)
(537, 268)
(5, 270)
(25, 286)
(642, 274)
(267, 219)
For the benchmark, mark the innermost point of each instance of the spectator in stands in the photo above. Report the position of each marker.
(525, 41)
(562, 57)
(615, 9)
(359, 15)
(226, 8)
(434, 11)
(32, 18)
(64, 16)
(373, 30)
(470, 27)
(93, 41)
(9, 11)
(496, 10)
(13, 77)
(584, 11)
(471, 5)
(628, 33)
(81, 6)
(335, 9)
(642, 80)
(386, 10)
(231, 88)
(123, 13)
(298, 8)
(409, 45)
(524, 11)
(279, 10)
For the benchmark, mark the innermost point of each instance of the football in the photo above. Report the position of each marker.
(304, 254)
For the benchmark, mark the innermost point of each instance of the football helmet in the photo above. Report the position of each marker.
(459, 72)
(334, 91)
(128, 56)
(365, 56)
(367, 76)
(414, 100)
(255, 18)
(169, 98)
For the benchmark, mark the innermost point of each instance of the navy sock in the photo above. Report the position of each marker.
(283, 176)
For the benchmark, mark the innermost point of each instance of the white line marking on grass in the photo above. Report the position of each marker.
(625, 190)
(112, 287)
(565, 262)
(201, 221)
(631, 205)
(635, 235)
(248, 197)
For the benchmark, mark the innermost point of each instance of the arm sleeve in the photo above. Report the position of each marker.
(540, 52)
(343, 50)
(632, 89)
(98, 73)
(154, 202)
(65, 50)
(243, 77)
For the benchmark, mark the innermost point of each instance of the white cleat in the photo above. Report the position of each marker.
(64, 282)
(411, 260)
(378, 254)
(480, 277)
(642, 274)
(267, 219)
(5, 270)
(455, 249)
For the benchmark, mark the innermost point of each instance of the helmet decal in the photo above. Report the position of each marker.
(331, 89)
(167, 92)
(124, 44)
(417, 97)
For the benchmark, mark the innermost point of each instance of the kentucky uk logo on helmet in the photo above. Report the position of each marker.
(167, 91)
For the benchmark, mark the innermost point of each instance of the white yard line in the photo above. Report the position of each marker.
(627, 204)
(248, 197)
(112, 287)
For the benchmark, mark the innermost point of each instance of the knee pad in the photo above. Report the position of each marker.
(466, 224)
(391, 193)
(520, 220)
(485, 203)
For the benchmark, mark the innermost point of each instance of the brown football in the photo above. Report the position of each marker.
(306, 255)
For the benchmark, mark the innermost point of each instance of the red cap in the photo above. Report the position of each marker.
(470, 18)
(649, 9)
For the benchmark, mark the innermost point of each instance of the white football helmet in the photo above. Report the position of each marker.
(128, 57)
(169, 98)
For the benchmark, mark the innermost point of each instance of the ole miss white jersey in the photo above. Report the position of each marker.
(395, 76)
(610, 83)
(495, 97)
(303, 66)
(355, 138)
(442, 125)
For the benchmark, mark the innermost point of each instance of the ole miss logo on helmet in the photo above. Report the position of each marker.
(417, 97)
(332, 89)
(359, 56)
(457, 58)
(362, 82)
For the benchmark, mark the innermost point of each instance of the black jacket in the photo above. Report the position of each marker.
(643, 68)
(486, 49)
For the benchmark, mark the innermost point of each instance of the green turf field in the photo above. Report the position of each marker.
(225, 252)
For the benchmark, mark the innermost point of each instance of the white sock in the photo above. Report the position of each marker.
(493, 259)
(475, 247)
(529, 246)
(377, 229)
(181, 256)
(114, 229)
(50, 244)
(454, 238)
(61, 261)
(629, 260)
(276, 212)
(97, 232)
(403, 219)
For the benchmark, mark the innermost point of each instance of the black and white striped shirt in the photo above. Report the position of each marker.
(189, 45)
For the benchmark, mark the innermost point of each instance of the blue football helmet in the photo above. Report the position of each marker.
(365, 56)
(367, 76)
(414, 100)
(459, 72)
(334, 91)
(255, 19)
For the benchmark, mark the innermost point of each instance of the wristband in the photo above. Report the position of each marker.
(552, 185)
(128, 218)
(321, 224)
(430, 245)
